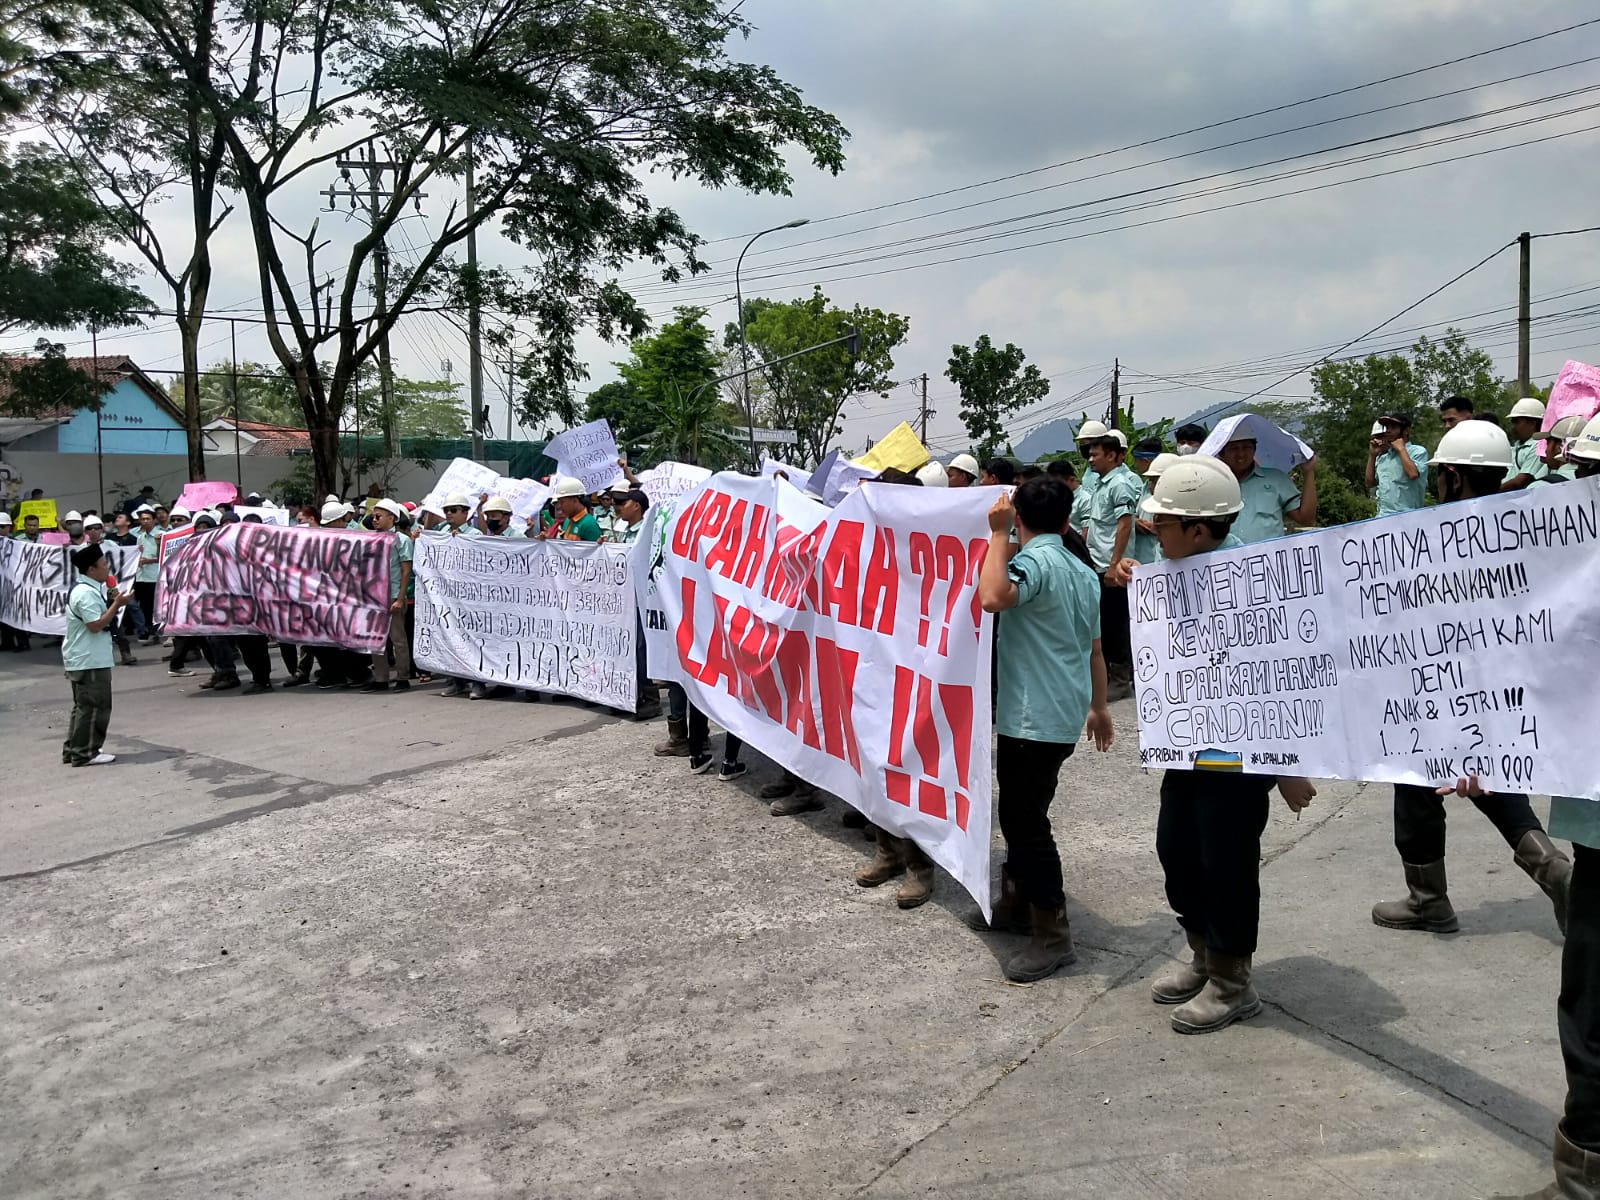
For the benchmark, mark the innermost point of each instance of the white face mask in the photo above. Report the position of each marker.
(1182, 449)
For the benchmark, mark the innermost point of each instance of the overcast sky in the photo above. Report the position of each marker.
(945, 94)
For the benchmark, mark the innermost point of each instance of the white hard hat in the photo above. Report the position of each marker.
(5, 518)
(71, 516)
(91, 519)
(1475, 444)
(932, 475)
(1160, 463)
(144, 508)
(334, 509)
(1527, 407)
(389, 506)
(497, 504)
(178, 510)
(965, 463)
(207, 514)
(1566, 428)
(1118, 436)
(330, 498)
(455, 500)
(1587, 445)
(1189, 488)
(1091, 429)
(562, 486)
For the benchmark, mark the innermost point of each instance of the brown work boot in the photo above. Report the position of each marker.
(1549, 868)
(677, 743)
(1047, 951)
(1226, 997)
(1010, 911)
(918, 885)
(1427, 907)
(801, 799)
(1577, 1174)
(1186, 980)
(888, 863)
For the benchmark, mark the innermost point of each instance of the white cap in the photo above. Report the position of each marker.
(455, 500)
(932, 475)
(1091, 429)
(390, 507)
(1189, 488)
(1527, 407)
(1475, 444)
(71, 516)
(1587, 445)
(965, 462)
(334, 509)
(1159, 464)
(564, 485)
(178, 510)
(1377, 428)
(91, 519)
(497, 504)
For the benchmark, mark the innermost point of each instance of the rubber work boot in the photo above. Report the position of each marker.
(1010, 911)
(1047, 951)
(1226, 997)
(677, 743)
(1577, 1174)
(918, 885)
(888, 863)
(1428, 905)
(1549, 868)
(1186, 980)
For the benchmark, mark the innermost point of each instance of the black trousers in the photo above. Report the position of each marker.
(257, 657)
(1027, 773)
(1578, 1010)
(1116, 640)
(700, 735)
(145, 594)
(183, 645)
(1419, 820)
(1208, 838)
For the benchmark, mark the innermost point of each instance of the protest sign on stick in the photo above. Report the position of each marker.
(34, 579)
(1417, 648)
(1575, 393)
(587, 453)
(463, 477)
(314, 587)
(45, 510)
(668, 482)
(546, 615)
(847, 645)
(207, 493)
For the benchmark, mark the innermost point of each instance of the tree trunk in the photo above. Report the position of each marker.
(189, 337)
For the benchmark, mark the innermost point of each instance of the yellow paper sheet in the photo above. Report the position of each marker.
(897, 448)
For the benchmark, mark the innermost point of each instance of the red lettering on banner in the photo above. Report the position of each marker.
(882, 589)
(944, 561)
(904, 684)
(957, 701)
(798, 565)
(913, 714)
(836, 681)
(784, 535)
(747, 567)
(977, 549)
(719, 663)
(721, 557)
(794, 666)
(841, 573)
(755, 645)
(897, 787)
(685, 634)
(930, 799)
(686, 530)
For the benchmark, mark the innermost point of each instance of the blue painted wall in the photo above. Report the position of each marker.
(130, 423)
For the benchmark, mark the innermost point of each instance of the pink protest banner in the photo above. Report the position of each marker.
(1576, 392)
(314, 587)
(846, 644)
(54, 537)
(206, 493)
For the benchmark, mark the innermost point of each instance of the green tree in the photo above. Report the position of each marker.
(994, 383)
(265, 394)
(808, 393)
(670, 376)
(617, 404)
(558, 110)
(691, 427)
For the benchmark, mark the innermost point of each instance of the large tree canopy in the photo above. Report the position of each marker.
(559, 109)
(994, 384)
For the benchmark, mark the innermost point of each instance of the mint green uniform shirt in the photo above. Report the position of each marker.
(1117, 496)
(1267, 495)
(149, 547)
(1560, 475)
(401, 551)
(1576, 820)
(1525, 459)
(1081, 499)
(1043, 685)
(81, 649)
(1396, 493)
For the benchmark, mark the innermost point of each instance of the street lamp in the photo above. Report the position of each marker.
(744, 350)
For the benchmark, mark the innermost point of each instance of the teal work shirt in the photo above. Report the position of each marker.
(401, 551)
(1082, 498)
(149, 547)
(1396, 493)
(466, 531)
(1117, 496)
(1576, 820)
(83, 649)
(1043, 685)
(1525, 459)
(1560, 475)
(1267, 496)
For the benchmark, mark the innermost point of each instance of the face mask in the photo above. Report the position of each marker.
(1187, 449)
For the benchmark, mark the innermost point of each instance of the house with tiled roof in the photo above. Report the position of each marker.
(135, 415)
(227, 436)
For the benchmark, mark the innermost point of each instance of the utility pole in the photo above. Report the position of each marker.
(474, 318)
(374, 195)
(1116, 396)
(926, 411)
(1524, 315)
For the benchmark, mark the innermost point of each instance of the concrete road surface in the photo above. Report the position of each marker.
(324, 944)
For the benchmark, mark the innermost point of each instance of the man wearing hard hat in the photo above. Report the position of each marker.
(1397, 469)
(1086, 435)
(1525, 417)
(1472, 461)
(575, 522)
(457, 525)
(962, 472)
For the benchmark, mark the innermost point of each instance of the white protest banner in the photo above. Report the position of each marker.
(36, 577)
(312, 587)
(1413, 649)
(668, 482)
(587, 453)
(546, 615)
(526, 496)
(799, 479)
(845, 644)
(268, 515)
(464, 477)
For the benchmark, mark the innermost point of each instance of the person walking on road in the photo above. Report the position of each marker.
(86, 658)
